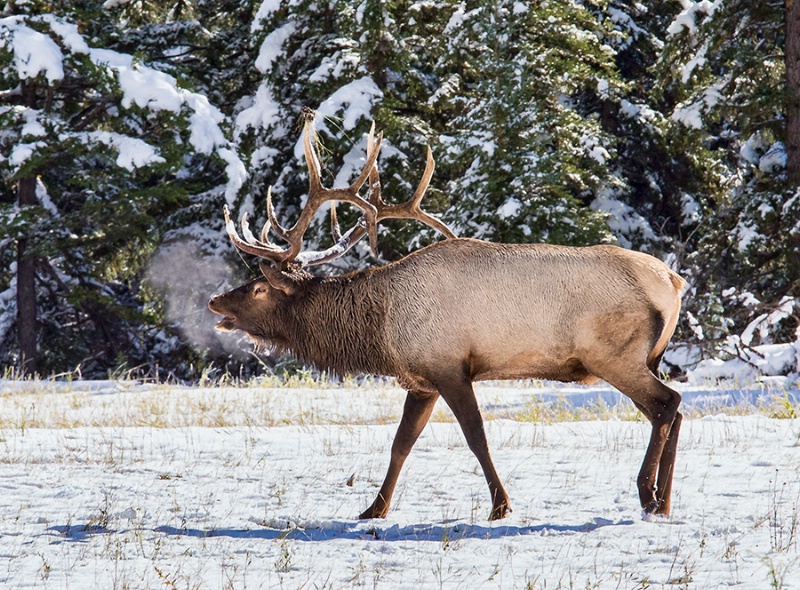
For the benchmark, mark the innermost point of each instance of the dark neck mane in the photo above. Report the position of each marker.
(337, 324)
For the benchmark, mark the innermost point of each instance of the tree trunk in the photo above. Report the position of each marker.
(792, 61)
(26, 265)
(26, 287)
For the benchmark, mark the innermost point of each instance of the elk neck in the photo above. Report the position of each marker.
(338, 324)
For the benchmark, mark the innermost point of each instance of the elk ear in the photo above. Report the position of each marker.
(277, 279)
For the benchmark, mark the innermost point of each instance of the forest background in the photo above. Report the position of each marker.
(670, 127)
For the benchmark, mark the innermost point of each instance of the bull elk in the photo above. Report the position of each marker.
(463, 310)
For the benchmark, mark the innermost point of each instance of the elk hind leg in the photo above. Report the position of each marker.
(659, 404)
(416, 413)
(666, 467)
(655, 477)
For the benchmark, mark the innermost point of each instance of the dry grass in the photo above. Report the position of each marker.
(300, 400)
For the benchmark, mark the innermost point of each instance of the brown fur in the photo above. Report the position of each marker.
(464, 310)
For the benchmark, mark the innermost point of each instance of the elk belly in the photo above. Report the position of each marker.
(531, 365)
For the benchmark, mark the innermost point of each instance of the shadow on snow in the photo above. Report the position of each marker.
(355, 530)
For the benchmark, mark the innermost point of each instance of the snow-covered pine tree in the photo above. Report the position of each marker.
(725, 66)
(525, 156)
(665, 178)
(94, 149)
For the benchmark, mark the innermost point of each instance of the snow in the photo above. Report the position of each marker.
(115, 3)
(236, 172)
(687, 19)
(32, 126)
(766, 320)
(770, 360)
(699, 59)
(266, 10)
(635, 111)
(774, 160)
(272, 45)
(205, 132)
(591, 148)
(44, 198)
(34, 52)
(746, 233)
(334, 66)
(141, 85)
(351, 102)
(690, 115)
(70, 36)
(448, 89)
(691, 212)
(152, 89)
(22, 151)
(113, 484)
(132, 152)
(262, 114)
(510, 208)
(456, 20)
(263, 156)
(8, 303)
(623, 220)
(752, 148)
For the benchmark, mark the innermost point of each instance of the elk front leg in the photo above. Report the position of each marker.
(416, 412)
(461, 398)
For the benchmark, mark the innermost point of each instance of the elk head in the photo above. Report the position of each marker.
(254, 308)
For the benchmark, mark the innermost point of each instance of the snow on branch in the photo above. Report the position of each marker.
(132, 152)
(36, 53)
(355, 99)
(687, 19)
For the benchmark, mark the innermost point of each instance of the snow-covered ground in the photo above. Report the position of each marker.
(117, 485)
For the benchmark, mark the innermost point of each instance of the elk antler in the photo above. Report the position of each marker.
(374, 211)
(409, 210)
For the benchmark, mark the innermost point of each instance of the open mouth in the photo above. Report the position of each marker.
(228, 324)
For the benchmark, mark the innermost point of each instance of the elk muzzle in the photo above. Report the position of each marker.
(228, 323)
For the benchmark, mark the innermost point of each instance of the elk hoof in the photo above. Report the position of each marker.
(651, 507)
(500, 511)
(656, 508)
(373, 512)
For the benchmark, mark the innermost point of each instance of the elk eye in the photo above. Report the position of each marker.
(259, 290)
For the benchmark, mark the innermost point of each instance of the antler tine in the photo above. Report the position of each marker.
(251, 247)
(372, 158)
(430, 166)
(414, 203)
(370, 171)
(312, 161)
(336, 231)
(374, 190)
(279, 230)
